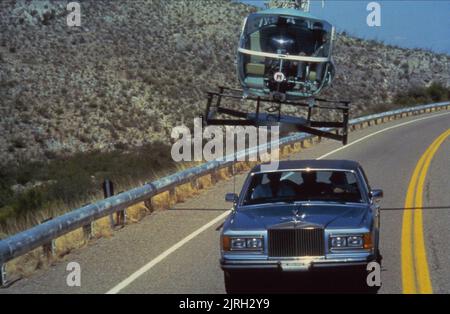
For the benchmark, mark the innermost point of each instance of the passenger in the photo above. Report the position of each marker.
(274, 188)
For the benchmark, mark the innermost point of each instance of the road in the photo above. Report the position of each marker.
(177, 251)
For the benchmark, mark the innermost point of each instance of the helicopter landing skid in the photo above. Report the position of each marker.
(336, 130)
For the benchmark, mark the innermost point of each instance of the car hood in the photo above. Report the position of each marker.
(326, 215)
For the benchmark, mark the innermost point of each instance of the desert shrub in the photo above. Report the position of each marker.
(5, 187)
(27, 172)
(76, 179)
(31, 200)
(436, 92)
(5, 213)
(19, 142)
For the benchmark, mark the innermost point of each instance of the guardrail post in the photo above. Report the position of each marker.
(108, 191)
(194, 184)
(213, 176)
(121, 218)
(3, 280)
(231, 170)
(172, 196)
(50, 247)
(88, 231)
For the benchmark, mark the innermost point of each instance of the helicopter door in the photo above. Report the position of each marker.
(256, 65)
(255, 68)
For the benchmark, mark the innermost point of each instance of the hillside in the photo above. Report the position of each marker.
(137, 68)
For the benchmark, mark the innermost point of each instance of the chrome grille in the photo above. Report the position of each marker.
(296, 242)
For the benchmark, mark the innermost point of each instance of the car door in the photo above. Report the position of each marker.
(374, 205)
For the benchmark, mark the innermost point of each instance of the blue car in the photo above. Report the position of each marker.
(305, 215)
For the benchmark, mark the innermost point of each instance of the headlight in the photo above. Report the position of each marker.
(338, 242)
(359, 241)
(242, 243)
(355, 241)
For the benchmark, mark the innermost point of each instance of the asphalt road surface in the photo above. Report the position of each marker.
(177, 251)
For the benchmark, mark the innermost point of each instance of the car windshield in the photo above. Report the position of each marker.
(287, 35)
(303, 185)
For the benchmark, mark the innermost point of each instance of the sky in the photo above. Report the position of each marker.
(405, 23)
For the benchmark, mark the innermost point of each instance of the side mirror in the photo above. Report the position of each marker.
(231, 198)
(376, 194)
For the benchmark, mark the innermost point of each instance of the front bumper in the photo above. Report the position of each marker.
(294, 265)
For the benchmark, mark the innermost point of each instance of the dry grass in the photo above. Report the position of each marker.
(138, 211)
(70, 241)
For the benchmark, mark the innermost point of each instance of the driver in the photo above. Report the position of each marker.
(274, 188)
(339, 182)
(319, 38)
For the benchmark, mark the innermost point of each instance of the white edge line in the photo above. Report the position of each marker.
(163, 255)
(126, 282)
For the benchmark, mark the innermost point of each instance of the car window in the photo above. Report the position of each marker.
(292, 186)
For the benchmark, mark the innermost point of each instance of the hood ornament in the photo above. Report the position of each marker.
(297, 216)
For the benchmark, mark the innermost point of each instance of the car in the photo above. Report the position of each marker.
(305, 216)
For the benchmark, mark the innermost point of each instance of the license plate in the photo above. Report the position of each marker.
(295, 266)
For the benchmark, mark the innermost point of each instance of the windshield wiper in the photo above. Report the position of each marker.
(271, 201)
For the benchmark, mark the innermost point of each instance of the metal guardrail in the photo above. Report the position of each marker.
(45, 233)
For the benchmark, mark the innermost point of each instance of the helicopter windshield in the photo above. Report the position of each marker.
(287, 35)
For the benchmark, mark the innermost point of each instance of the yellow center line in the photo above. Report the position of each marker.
(422, 273)
(407, 262)
(415, 271)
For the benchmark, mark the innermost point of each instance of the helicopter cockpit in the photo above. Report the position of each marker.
(284, 61)
(285, 57)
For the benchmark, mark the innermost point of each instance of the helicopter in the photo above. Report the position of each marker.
(284, 58)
